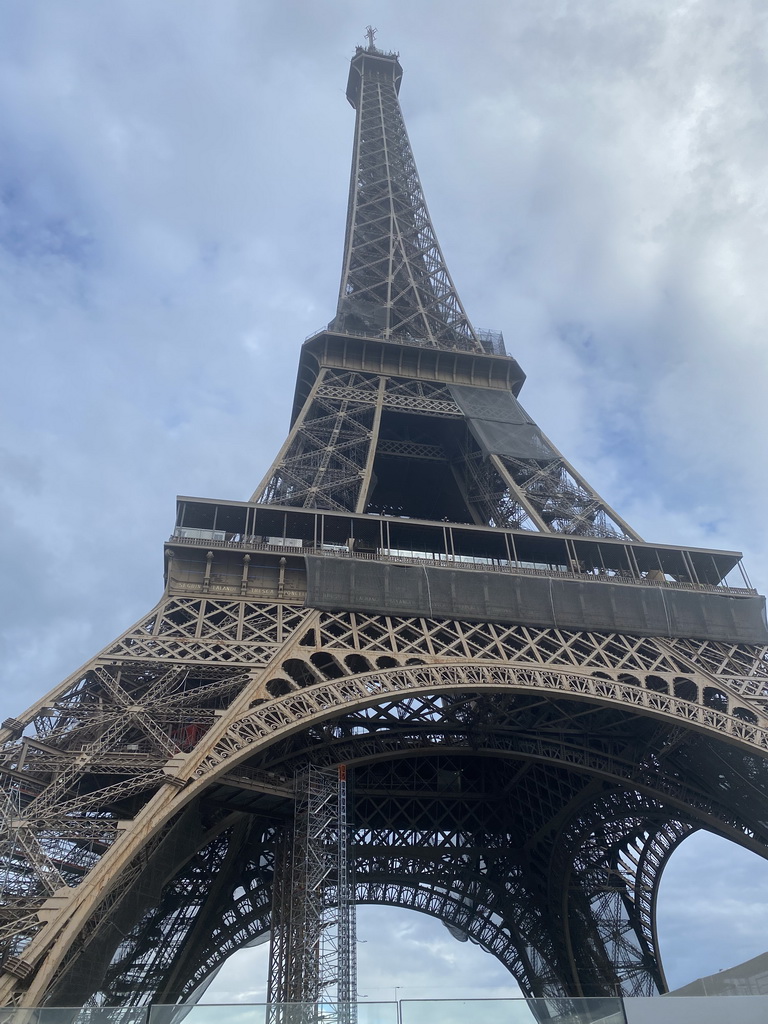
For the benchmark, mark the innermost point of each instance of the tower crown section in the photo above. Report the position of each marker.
(372, 63)
(394, 282)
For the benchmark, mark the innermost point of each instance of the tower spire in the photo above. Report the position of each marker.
(394, 281)
(348, 448)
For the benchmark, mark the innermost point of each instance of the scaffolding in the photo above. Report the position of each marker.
(313, 974)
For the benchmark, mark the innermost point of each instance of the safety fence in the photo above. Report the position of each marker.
(746, 1009)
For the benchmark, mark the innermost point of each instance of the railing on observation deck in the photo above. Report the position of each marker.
(745, 1009)
(491, 341)
(451, 562)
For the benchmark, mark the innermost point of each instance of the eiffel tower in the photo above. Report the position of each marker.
(535, 705)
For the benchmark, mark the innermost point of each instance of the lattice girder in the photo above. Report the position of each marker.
(395, 286)
(248, 916)
(394, 277)
(480, 905)
(611, 671)
(208, 897)
(328, 459)
(322, 463)
(378, 848)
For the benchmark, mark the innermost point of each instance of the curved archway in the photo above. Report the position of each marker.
(633, 726)
(648, 808)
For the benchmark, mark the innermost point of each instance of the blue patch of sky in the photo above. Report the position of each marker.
(45, 210)
(33, 226)
(20, 30)
(714, 527)
(620, 436)
(625, 448)
(174, 419)
(580, 339)
(209, 253)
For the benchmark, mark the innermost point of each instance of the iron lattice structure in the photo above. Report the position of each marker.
(313, 938)
(536, 706)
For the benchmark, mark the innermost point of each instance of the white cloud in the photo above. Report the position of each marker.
(712, 908)
(400, 955)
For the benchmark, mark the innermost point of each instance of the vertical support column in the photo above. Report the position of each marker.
(347, 915)
(365, 486)
(312, 973)
(278, 981)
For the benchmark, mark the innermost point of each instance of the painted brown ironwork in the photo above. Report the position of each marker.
(523, 776)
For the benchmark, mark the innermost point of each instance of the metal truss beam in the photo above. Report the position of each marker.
(395, 280)
(336, 443)
(313, 951)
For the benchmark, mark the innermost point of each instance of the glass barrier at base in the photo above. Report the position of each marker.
(655, 1010)
(276, 1013)
(697, 1010)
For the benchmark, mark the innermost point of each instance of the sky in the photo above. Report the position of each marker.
(173, 186)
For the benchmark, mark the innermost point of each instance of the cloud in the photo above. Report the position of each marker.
(712, 908)
(400, 955)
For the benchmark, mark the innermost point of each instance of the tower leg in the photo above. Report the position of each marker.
(278, 983)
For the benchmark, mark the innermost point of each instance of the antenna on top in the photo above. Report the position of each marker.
(371, 34)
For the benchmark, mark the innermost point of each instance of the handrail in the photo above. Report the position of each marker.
(486, 338)
(464, 563)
